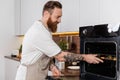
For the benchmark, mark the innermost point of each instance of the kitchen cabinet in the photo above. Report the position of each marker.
(31, 10)
(26, 12)
(94, 12)
(11, 67)
(70, 19)
(17, 17)
(75, 13)
(89, 12)
(110, 11)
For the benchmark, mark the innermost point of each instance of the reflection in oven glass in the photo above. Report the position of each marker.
(105, 51)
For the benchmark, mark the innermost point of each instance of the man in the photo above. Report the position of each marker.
(39, 47)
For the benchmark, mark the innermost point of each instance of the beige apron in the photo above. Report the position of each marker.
(38, 70)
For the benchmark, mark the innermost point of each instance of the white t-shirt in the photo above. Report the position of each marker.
(37, 41)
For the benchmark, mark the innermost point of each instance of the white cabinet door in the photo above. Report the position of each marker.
(17, 17)
(89, 12)
(31, 10)
(11, 67)
(70, 18)
(26, 12)
(109, 11)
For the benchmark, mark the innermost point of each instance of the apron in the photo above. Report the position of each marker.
(38, 70)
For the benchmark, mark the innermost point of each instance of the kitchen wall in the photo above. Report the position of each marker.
(109, 11)
(99, 12)
(7, 38)
(72, 43)
(75, 13)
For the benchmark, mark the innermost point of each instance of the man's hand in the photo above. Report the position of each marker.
(91, 58)
(70, 57)
(55, 71)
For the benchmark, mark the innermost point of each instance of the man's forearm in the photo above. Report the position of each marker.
(73, 57)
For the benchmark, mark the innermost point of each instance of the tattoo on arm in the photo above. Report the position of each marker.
(73, 57)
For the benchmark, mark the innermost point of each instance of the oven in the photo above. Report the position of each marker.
(97, 40)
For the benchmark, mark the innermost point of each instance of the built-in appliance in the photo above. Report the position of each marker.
(98, 40)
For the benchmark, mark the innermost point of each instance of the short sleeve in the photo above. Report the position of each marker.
(47, 46)
(42, 40)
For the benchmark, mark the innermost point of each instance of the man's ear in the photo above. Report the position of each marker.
(46, 14)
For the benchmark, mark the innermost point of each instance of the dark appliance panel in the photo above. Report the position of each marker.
(105, 51)
(106, 46)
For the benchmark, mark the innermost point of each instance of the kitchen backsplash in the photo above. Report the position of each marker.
(69, 43)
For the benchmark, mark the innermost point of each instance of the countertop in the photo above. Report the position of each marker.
(12, 58)
(67, 73)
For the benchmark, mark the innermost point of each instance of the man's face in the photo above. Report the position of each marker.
(54, 19)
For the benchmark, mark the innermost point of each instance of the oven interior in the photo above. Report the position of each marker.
(107, 52)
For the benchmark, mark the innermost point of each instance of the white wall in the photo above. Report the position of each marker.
(89, 12)
(99, 12)
(31, 10)
(7, 37)
(109, 11)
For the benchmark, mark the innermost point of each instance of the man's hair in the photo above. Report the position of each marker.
(50, 5)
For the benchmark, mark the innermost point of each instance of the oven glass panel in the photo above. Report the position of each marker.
(105, 51)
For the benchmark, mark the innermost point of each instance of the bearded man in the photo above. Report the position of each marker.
(39, 48)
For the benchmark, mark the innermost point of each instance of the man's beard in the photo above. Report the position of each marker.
(52, 25)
